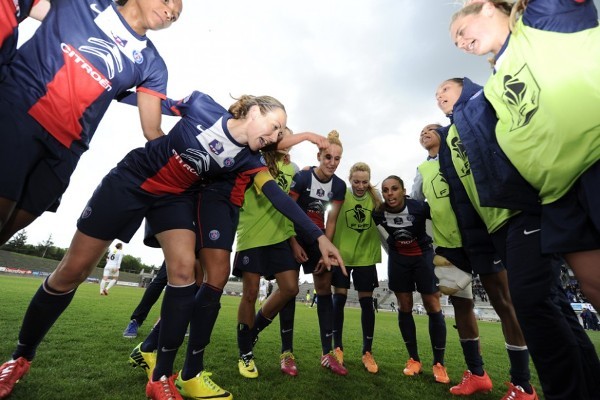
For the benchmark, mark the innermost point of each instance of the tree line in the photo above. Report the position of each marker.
(46, 249)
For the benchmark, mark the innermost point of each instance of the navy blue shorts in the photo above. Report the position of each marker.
(217, 220)
(409, 273)
(35, 169)
(572, 223)
(485, 264)
(518, 243)
(117, 209)
(266, 260)
(175, 217)
(364, 278)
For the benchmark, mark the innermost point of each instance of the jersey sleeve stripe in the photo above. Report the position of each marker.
(162, 96)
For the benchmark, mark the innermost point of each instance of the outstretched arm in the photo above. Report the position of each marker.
(292, 140)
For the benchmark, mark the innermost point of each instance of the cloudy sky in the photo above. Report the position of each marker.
(367, 68)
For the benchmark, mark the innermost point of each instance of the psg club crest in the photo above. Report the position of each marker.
(138, 57)
(245, 260)
(87, 211)
(214, 234)
(229, 162)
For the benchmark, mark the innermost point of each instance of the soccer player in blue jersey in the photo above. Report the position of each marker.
(12, 13)
(218, 220)
(208, 145)
(319, 191)
(545, 88)
(57, 88)
(410, 267)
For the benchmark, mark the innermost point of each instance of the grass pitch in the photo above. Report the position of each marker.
(84, 356)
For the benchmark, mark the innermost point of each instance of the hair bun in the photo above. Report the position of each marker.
(333, 135)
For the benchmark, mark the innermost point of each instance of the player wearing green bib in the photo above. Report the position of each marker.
(541, 307)
(431, 185)
(263, 250)
(357, 239)
(494, 218)
(546, 90)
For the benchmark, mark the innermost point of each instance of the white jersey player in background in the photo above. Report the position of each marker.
(111, 269)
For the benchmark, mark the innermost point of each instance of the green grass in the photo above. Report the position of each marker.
(84, 356)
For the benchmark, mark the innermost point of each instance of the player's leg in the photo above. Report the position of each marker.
(341, 284)
(178, 247)
(219, 220)
(365, 281)
(49, 302)
(246, 311)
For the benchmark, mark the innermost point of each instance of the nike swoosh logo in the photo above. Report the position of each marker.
(194, 352)
(286, 330)
(328, 334)
(95, 8)
(165, 350)
(526, 232)
(496, 262)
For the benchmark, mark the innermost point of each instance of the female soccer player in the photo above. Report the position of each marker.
(473, 165)
(156, 182)
(58, 87)
(545, 90)
(357, 239)
(217, 213)
(410, 266)
(454, 266)
(318, 191)
(263, 249)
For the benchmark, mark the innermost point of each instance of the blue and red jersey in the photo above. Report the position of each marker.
(315, 195)
(81, 57)
(198, 150)
(12, 12)
(406, 228)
